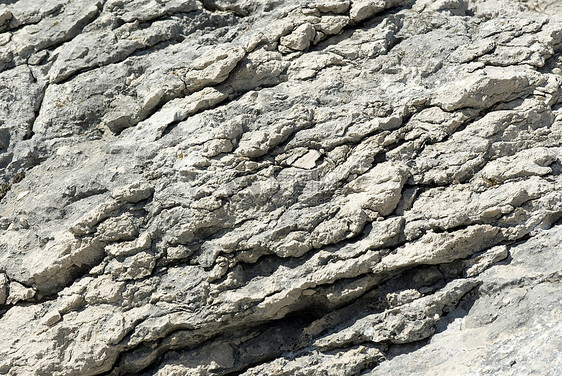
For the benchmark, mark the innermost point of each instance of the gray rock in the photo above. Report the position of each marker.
(491, 333)
(280, 188)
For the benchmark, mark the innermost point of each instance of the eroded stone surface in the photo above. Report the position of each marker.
(277, 188)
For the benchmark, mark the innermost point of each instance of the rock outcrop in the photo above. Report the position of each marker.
(308, 187)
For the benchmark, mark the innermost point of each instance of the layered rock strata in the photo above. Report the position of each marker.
(308, 187)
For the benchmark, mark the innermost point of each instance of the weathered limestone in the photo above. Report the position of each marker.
(335, 187)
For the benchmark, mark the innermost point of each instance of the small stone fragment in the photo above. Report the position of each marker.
(332, 6)
(133, 193)
(18, 293)
(308, 160)
(484, 261)
(300, 38)
(363, 9)
(51, 318)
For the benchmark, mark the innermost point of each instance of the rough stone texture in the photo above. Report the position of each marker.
(311, 187)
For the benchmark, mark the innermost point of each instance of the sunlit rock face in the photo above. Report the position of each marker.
(307, 187)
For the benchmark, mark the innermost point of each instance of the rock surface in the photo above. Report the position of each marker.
(311, 187)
